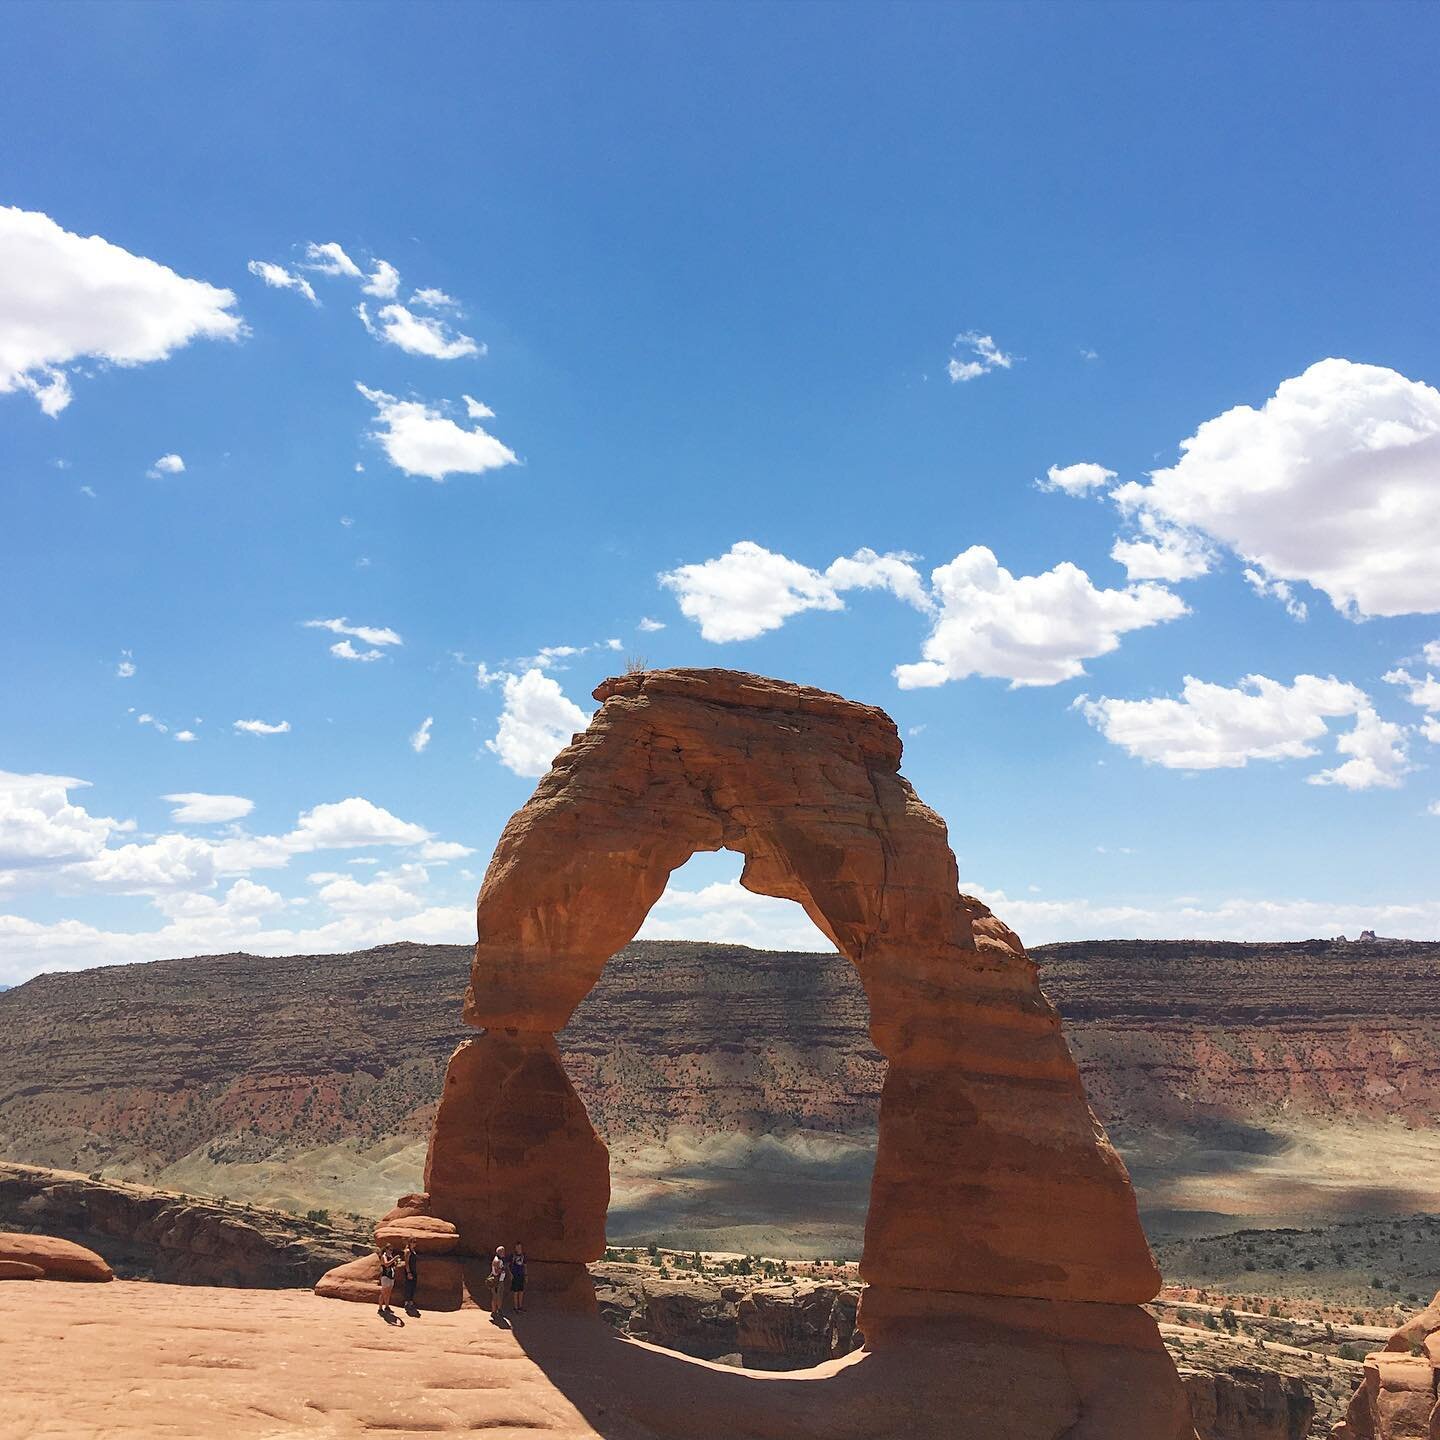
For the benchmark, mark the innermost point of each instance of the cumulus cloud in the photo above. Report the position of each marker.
(477, 409)
(125, 667)
(344, 650)
(66, 298)
(1077, 479)
(421, 440)
(1424, 693)
(194, 807)
(186, 737)
(649, 626)
(166, 465)
(984, 356)
(40, 826)
(262, 727)
(1332, 482)
(279, 278)
(384, 281)
(439, 851)
(368, 634)
(330, 259)
(420, 740)
(1225, 727)
(750, 589)
(725, 912)
(417, 334)
(536, 722)
(433, 299)
(348, 823)
(1156, 551)
(1030, 629)
(1379, 755)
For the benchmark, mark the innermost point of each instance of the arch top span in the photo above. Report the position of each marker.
(992, 1176)
(804, 784)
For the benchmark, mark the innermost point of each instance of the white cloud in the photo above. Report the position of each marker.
(169, 862)
(1077, 479)
(987, 356)
(125, 668)
(417, 334)
(477, 409)
(1331, 482)
(895, 572)
(1030, 630)
(1430, 729)
(1279, 590)
(147, 719)
(1039, 922)
(261, 727)
(344, 650)
(193, 807)
(66, 298)
(485, 676)
(725, 912)
(438, 852)
(433, 299)
(391, 893)
(748, 591)
(349, 823)
(330, 259)
(40, 826)
(1431, 652)
(166, 465)
(186, 737)
(88, 490)
(421, 441)
(649, 626)
(1161, 552)
(1086, 353)
(421, 738)
(369, 634)
(384, 281)
(1379, 755)
(1222, 727)
(536, 722)
(1423, 693)
(279, 278)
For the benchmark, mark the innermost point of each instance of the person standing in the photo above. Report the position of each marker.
(517, 1276)
(410, 1268)
(388, 1261)
(499, 1282)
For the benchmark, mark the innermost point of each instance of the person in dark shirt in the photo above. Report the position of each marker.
(517, 1276)
(410, 1269)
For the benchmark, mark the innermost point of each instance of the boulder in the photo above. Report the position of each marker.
(19, 1270)
(56, 1259)
(426, 1234)
(1395, 1401)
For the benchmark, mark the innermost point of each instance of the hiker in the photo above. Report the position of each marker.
(410, 1268)
(517, 1276)
(499, 1282)
(388, 1261)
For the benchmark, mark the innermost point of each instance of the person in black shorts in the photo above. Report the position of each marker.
(388, 1262)
(517, 1276)
(410, 1269)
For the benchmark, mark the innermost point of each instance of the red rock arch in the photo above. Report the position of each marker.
(992, 1176)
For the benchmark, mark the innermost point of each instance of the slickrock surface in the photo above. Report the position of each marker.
(152, 1233)
(132, 1361)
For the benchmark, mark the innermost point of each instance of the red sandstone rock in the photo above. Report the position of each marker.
(513, 1157)
(406, 1206)
(57, 1259)
(1414, 1331)
(19, 1270)
(992, 1175)
(427, 1234)
(1395, 1401)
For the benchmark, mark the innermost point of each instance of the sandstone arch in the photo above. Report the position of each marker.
(992, 1177)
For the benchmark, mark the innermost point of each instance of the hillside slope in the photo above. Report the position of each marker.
(737, 1088)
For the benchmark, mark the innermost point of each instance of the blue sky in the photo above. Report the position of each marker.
(832, 283)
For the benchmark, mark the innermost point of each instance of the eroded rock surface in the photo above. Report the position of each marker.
(1397, 1400)
(54, 1258)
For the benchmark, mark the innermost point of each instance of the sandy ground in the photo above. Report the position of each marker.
(129, 1359)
